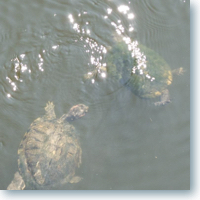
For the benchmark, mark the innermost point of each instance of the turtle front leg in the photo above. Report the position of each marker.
(164, 99)
(178, 71)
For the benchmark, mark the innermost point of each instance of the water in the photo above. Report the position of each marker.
(47, 46)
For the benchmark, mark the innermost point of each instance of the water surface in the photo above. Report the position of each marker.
(47, 46)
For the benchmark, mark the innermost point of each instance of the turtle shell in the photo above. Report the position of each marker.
(141, 69)
(49, 153)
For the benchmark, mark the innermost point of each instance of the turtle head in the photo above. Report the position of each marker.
(76, 112)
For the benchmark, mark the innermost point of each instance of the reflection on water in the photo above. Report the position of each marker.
(48, 51)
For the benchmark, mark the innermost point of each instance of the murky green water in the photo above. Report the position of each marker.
(47, 46)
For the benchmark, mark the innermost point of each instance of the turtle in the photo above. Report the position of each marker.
(139, 68)
(50, 151)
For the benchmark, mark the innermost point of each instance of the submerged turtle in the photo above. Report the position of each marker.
(50, 151)
(141, 69)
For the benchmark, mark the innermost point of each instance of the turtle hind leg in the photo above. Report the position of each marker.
(75, 179)
(164, 99)
(50, 113)
(17, 183)
(71, 179)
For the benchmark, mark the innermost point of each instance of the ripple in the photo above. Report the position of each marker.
(1, 145)
(161, 13)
